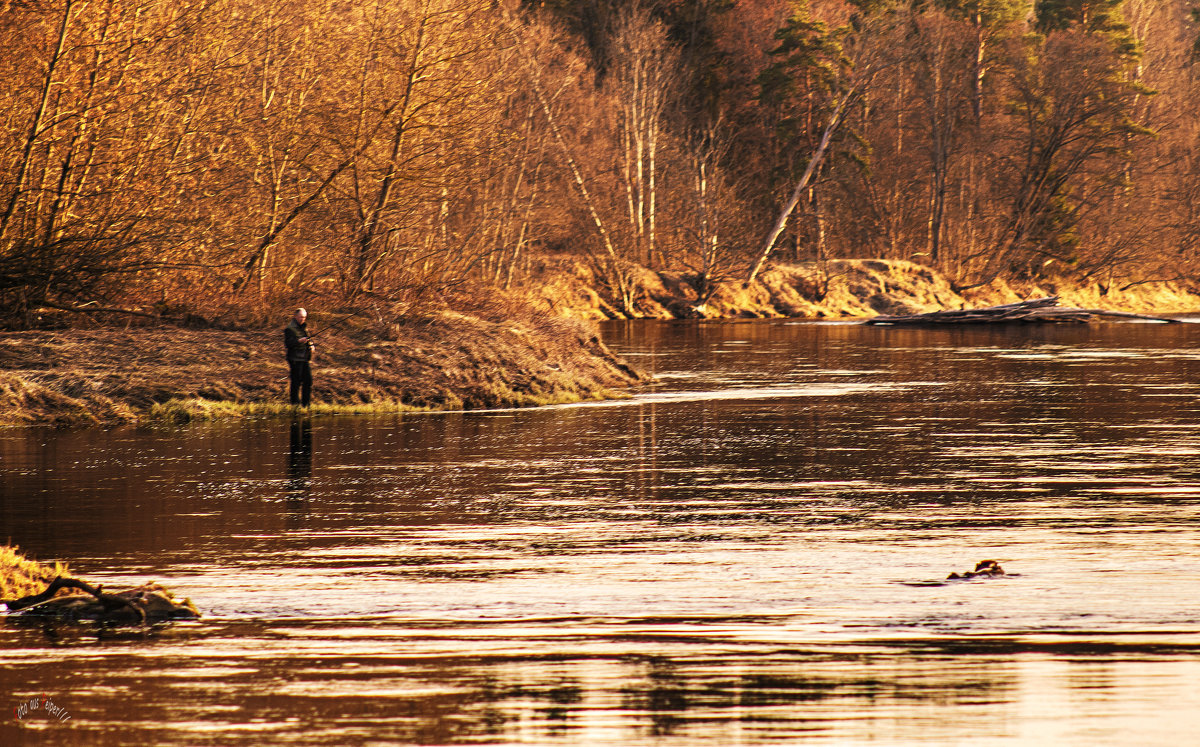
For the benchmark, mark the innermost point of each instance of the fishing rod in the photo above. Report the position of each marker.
(332, 328)
(329, 329)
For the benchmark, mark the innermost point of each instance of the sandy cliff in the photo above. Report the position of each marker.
(838, 289)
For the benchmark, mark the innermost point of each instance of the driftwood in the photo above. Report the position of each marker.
(1036, 310)
(148, 604)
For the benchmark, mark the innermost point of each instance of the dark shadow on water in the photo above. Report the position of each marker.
(299, 470)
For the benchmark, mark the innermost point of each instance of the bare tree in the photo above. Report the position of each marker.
(87, 190)
(613, 266)
(1072, 110)
(643, 75)
(942, 54)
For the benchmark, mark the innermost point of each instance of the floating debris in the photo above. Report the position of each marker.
(986, 568)
(148, 604)
(1039, 310)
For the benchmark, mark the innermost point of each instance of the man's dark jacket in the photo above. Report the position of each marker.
(297, 352)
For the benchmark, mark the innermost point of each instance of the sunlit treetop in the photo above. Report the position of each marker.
(989, 13)
(808, 56)
(1096, 17)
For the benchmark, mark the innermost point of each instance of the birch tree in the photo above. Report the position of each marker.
(536, 48)
(643, 76)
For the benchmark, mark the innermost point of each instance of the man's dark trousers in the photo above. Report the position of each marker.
(300, 391)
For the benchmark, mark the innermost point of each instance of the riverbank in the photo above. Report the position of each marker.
(837, 289)
(108, 376)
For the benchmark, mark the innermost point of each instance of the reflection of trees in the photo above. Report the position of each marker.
(554, 702)
(673, 695)
(668, 692)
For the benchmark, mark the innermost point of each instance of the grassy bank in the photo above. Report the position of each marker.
(170, 374)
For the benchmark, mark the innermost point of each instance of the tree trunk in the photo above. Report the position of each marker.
(814, 162)
(617, 274)
(35, 126)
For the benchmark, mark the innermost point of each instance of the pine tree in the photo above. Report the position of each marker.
(812, 86)
(1093, 17)
(803, 76)
(991, 20)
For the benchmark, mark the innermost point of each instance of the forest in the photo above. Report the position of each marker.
(225, 159)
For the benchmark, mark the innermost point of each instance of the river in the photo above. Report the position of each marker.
(753, 550)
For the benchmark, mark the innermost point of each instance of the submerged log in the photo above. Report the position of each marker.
(1043, 310)
(148, 604)
(983, 569)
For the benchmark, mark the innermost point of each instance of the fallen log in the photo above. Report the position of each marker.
(149, 604)
(1038, 310)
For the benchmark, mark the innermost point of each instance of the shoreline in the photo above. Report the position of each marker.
(843, 289)
(173, 375)
(450, 361)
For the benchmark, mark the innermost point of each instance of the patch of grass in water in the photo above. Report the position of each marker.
(21, 577)
(181, 411)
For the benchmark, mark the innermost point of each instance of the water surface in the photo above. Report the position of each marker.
(751, 551)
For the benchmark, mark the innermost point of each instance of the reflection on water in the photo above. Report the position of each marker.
(299, 470)
(299, 463)
(745, 553)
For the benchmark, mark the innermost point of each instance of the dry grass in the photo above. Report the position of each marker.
(179, 411)
(21, 577)
(169, 374)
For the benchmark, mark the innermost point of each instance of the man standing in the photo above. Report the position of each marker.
(299, 356)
